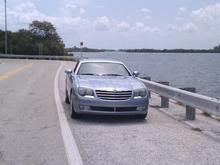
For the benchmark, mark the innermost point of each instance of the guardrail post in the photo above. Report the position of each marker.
(190, 111)
(164, 100)
(149, 79)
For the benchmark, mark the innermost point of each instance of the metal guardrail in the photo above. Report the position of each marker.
(40, 57)
(206, 104)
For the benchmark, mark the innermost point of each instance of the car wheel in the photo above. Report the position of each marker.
(67, 100)
(74, 115)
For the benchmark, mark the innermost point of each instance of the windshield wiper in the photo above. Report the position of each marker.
(91, 74)
(112, 74)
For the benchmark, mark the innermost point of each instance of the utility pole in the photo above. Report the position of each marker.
(6, 37)
(40, 49)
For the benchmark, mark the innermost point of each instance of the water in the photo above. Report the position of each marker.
(198, 70)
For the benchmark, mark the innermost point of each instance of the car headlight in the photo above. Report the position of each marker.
(85, 91)
(140, 92)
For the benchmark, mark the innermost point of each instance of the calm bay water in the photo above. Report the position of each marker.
(181, 70)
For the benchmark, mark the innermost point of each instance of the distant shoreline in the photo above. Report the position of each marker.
(170, 50)
(85, 49)
(140, 52)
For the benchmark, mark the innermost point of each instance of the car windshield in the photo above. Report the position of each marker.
(103, 69)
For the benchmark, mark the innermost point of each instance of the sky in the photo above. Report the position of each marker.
(116, 24)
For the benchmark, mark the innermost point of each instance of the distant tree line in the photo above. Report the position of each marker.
(216, 49)
(40, 39)
(85, 49)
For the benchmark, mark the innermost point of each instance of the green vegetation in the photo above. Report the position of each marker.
(214, 50)
(40, 39)
(85, 49)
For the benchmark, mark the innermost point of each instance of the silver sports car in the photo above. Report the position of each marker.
(105, 87)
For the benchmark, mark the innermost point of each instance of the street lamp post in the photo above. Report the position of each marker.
(81, 48)
(6, 39)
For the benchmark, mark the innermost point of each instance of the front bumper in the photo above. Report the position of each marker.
(137, 106)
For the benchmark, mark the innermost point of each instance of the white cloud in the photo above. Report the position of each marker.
(123, 27)
(189, 27)
(145, 10)
(25, 12)
(207, 19)
(77, 2)
(102, 23)
(73, 25)
(152, 29)
(19, 16)
(182, 14)
(82, 10)
(146, 13)
(71, 10)
(140, 25)
(186, 27)
(22, 15)
(69, 21)
(2, 16)
(208, 14)
(182, 10)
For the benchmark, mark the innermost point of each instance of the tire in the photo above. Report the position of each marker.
(74, 115)
(67, 100)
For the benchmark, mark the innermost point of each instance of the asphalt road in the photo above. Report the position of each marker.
(29, 126)
(30, 131)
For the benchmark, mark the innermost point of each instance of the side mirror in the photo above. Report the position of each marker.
(68, 71)
(136, 74)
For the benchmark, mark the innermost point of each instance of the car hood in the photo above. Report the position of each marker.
(109, 82)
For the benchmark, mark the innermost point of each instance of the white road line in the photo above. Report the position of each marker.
(72, 151)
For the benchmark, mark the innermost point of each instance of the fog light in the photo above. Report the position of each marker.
(81, 107)
(142, 108)
(84, 107)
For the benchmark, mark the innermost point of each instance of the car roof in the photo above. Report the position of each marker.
(99, 60)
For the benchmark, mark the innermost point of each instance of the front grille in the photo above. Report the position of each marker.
(108, 109)
(113, 95)
(125, 109)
